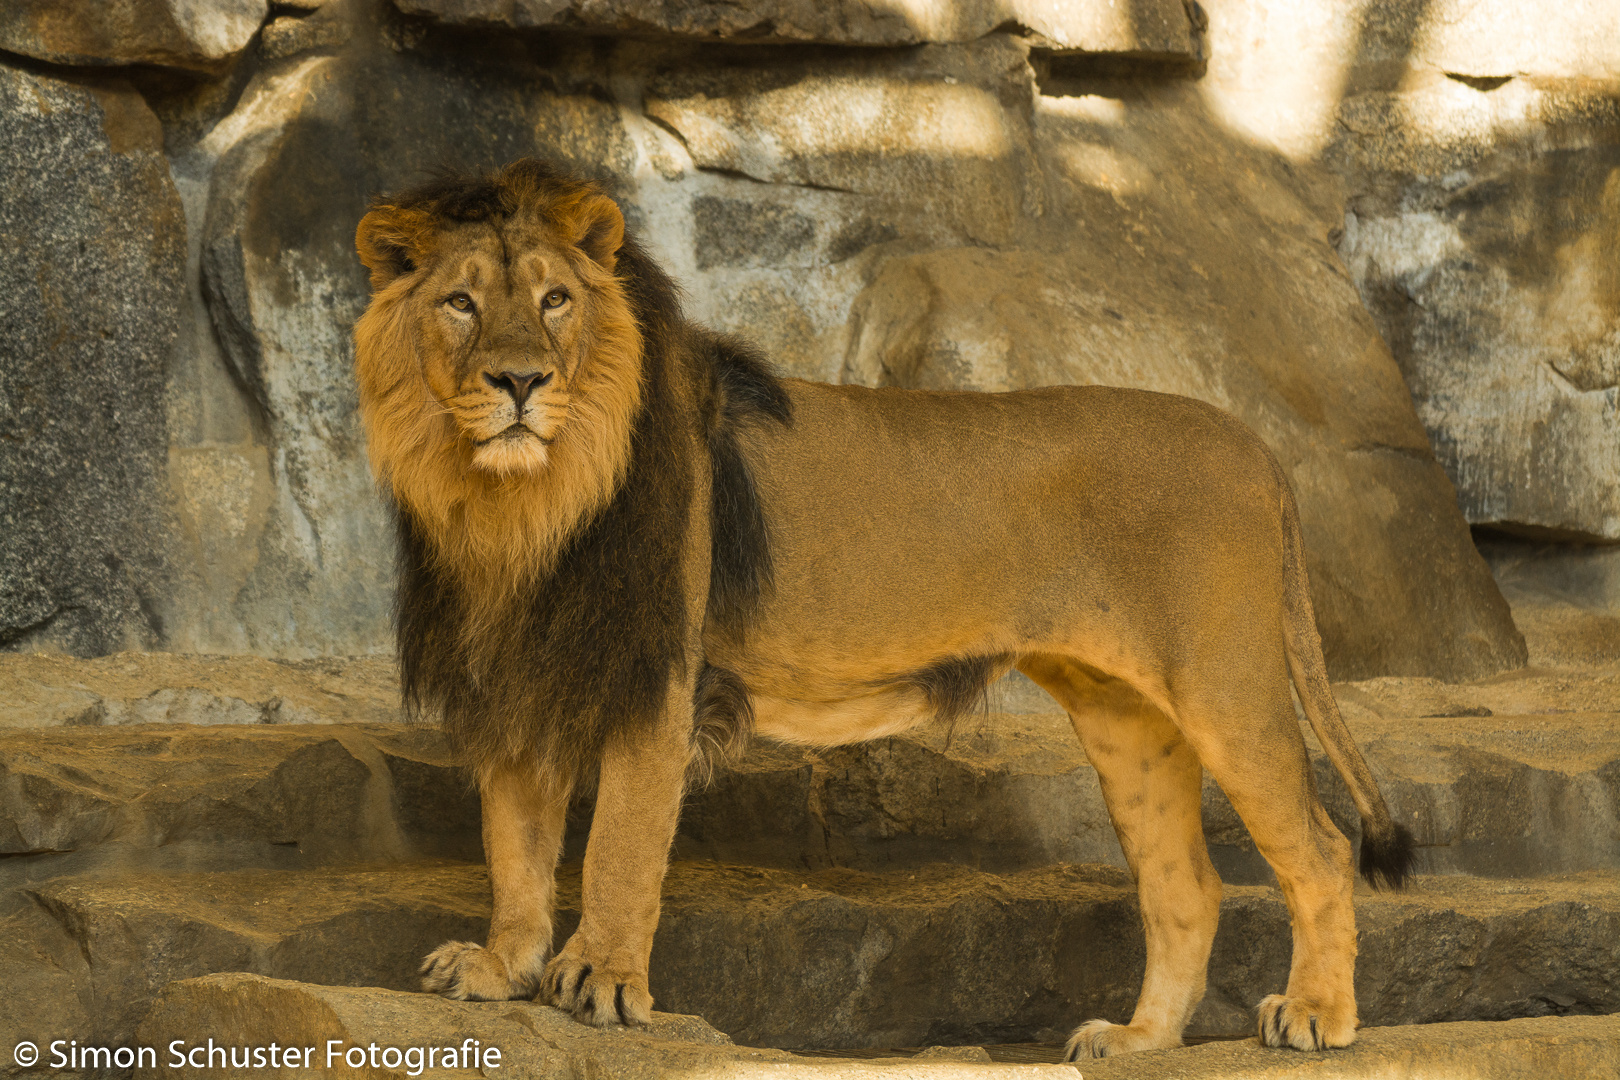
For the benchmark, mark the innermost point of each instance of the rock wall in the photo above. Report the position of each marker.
(1479, 145)
(980, 195)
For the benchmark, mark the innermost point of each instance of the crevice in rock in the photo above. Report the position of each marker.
(738, 174)
(1583, 382)
(1483, 83)
(1122, 76)
(13, 635)
(1548, 534)
(1422, 456)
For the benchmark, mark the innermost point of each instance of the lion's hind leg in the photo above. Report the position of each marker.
(1247, 736)
(1152, 782)
(524, 811)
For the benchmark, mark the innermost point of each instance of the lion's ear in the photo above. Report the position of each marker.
(392, 242)
(596, 227)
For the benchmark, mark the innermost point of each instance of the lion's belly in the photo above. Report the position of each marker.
(835, 723)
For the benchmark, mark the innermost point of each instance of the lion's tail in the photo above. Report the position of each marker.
(1386, 847)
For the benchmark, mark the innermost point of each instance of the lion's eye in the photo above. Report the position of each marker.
(555, 298)
(461, 302)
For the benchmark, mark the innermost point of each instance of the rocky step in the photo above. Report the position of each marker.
(52, 690)
(833, 958)
(1501, 795)
(535, 1042)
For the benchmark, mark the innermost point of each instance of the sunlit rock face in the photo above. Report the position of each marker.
(1479, 146)
(989, 210)
(202, 35)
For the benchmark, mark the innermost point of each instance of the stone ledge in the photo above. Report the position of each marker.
(536, 1042)
(1532, 1049)
(541, 1043)
(980, 957)
(46, 690)
(1505, 795)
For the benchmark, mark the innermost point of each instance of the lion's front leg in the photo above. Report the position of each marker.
(600, 975)
(524, 812)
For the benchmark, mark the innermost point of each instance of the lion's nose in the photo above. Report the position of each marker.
(518, 383)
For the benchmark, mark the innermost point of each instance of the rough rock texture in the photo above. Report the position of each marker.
(1151, 28)
(90, 293)
(1479, 145)
(777, 958)
(202, 35)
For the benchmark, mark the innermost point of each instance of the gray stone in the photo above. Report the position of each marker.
(364, 928)
(1510, 347)
(90, 295)
(202, 35)
(1157, 28)
(921, 217)
(1474, 143)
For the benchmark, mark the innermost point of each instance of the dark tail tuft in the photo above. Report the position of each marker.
(1386, 860)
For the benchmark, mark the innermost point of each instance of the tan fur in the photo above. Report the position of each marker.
(1135, 554)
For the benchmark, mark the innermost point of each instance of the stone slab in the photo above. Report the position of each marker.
(267, 795)
(944, 954)
(1508, 794)
(534, 1041)
(200, 35)
(1506, 1050)
(45, 690)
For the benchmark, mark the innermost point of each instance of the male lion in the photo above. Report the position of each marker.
(625, 545)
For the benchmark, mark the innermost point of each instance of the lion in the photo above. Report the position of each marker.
(626, 546)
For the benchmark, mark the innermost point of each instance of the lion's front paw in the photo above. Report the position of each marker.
(1100, 1039)
(468, 972)
(1304, 1025)
(600, 997)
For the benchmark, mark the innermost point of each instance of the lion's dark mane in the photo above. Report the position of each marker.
(585, 656)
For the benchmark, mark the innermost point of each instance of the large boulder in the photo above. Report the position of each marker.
(202, 35)
(91, 290)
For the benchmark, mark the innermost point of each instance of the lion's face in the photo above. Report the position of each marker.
(504, 322)
(499, 364)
